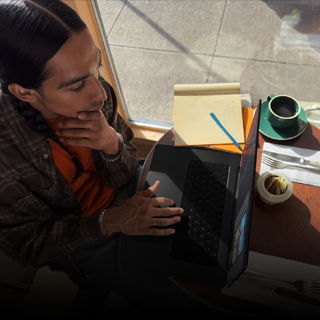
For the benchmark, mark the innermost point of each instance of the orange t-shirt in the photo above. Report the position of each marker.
(90, 189)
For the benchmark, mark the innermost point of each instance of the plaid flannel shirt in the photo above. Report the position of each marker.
(40, 217)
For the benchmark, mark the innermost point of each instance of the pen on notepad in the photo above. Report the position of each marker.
(225, 131)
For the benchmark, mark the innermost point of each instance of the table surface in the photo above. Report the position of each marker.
(289, 230)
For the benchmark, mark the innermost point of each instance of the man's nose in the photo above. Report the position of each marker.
(100, 93)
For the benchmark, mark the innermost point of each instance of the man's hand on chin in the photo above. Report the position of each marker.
(94, 130)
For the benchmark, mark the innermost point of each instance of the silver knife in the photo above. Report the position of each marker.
(285, 157)
(280, 291)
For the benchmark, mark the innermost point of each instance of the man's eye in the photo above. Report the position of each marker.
(80, 88)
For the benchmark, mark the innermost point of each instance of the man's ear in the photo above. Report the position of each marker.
(23, 94)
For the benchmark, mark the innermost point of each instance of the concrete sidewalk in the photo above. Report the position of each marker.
(270, 47)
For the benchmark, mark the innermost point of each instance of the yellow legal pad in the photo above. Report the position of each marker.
(193, 124)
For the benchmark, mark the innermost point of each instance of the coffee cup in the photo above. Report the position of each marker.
(283, 111)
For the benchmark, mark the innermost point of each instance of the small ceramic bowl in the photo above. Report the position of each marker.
(268, 197)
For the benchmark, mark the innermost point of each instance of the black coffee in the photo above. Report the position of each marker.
(283, 109)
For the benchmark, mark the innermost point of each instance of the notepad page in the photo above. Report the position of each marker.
(192, 107)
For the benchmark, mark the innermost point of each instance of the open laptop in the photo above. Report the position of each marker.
(215, 189)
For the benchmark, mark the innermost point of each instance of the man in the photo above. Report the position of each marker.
(67, 164)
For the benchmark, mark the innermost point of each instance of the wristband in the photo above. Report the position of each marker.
(120, 149)
(101, 214)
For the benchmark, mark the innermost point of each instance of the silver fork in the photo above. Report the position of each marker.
(302, 286)
(281, 165)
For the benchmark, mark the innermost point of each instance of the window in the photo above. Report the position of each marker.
(270, 47)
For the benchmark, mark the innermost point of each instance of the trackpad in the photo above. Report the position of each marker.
(170, 187)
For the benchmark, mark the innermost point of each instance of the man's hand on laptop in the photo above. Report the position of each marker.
(140, 215)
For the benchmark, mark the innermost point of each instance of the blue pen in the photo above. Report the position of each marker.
(225, 131)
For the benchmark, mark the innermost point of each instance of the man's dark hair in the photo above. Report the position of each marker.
(31, 33)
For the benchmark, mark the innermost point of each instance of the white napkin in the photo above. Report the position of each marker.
(278, 268)
(305, 177)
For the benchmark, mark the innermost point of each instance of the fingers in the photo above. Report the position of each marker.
(80, 133)
(160, 201)
(76, 141)
(83, 120)
(160, 224)
(90, 115)
(164, 222)
(95, 132)
(151, 190)
(160, 232)
(143, 215)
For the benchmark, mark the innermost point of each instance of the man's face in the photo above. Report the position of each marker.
(73, 84)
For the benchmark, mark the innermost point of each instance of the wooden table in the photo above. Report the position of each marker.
(289, 230)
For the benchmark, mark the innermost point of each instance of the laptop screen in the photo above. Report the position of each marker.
(240, 245)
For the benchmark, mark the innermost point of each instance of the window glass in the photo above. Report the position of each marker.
(270, 47)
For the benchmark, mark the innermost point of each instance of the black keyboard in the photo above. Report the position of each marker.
(198, 233)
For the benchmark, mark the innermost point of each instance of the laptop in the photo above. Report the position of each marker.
(215, 189)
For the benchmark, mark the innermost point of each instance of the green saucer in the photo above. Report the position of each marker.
(281, 134)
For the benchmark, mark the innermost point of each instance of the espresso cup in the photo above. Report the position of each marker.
(283, 111)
